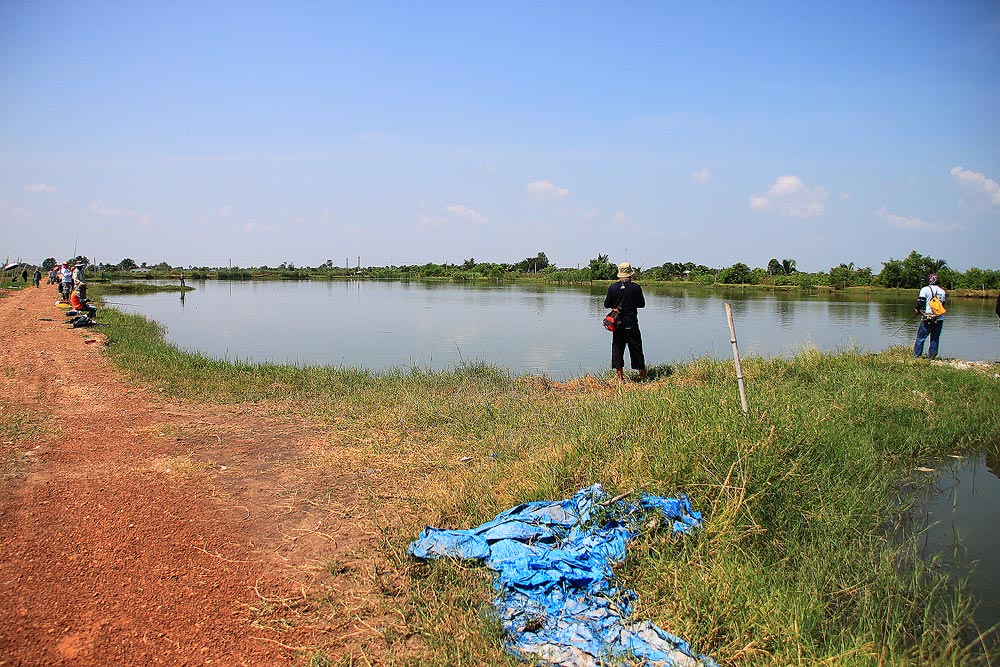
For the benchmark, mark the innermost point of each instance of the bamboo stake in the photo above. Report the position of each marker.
(736, 358)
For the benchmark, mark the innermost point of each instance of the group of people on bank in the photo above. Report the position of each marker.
(626, 297)
(72, 286)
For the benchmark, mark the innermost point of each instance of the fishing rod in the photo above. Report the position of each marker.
(122, 303)
(904, 324)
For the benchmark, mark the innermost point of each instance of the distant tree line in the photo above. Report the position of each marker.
(910, 272)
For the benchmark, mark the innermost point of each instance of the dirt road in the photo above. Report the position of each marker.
(138, 530)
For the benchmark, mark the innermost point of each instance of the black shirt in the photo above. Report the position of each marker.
(631, 301)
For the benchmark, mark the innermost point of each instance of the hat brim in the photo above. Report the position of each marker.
(626, 275)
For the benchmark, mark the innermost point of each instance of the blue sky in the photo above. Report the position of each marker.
(199, 133)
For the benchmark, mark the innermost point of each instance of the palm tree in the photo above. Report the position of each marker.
(788, 266)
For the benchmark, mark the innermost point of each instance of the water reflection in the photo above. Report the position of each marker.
(785, 312)
(992, 459)
(532, 328)
(962, 515)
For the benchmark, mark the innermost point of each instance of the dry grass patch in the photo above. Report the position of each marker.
(178, 466)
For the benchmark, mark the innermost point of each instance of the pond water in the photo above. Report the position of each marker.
(962, 515)
(529, 328)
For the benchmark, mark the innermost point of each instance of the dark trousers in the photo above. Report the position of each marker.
(631, 338)
(932, 329)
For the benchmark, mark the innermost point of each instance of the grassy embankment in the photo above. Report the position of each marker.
(796, 563)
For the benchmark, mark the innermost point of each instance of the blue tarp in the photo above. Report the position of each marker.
(557, 600)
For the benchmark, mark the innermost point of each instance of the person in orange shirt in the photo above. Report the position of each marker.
(80, 302)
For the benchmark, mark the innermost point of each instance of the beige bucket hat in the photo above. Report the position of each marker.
(625, 270)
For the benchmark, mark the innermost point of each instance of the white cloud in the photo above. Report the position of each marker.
(978, 184)
(38, 187)
(913, 223)
(463, 212)
(10, 211)
(546, 189)
(456, 214)
(702, 176)
(790, 197)
(225, 211)
(253, 228)
(624, 222)
(98, 207)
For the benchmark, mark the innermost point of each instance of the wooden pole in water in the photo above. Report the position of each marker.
(736, 358)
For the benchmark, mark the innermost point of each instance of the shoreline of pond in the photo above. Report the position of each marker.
(961, 293)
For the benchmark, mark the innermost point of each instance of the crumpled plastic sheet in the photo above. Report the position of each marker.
(556, 600)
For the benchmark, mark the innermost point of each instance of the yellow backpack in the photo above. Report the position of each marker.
(937, 308)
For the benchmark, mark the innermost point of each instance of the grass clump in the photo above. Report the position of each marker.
(19, 428)
(800, 561)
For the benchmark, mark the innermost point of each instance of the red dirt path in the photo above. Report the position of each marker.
(113, 556)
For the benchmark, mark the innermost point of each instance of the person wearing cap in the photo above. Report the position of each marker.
(627, 297)
(65, 281)
(80, 278)
(930, 324)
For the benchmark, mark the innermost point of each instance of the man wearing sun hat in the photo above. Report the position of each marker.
(627, 297)
(80, 278)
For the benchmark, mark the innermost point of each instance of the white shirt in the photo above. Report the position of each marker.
(928, 293)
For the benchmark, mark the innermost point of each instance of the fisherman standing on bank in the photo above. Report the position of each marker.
(931, 317)
(627, 297)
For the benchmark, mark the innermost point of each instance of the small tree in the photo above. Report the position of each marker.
(737, 274)
(49, 263)
(774, 267)
(602, 269)
(840, 276)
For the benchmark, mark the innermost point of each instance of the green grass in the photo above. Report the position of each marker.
(135, 288)
(800, 560)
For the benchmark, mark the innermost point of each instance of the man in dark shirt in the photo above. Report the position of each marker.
(627, 297)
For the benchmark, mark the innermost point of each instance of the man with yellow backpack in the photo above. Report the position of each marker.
(930, 307)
